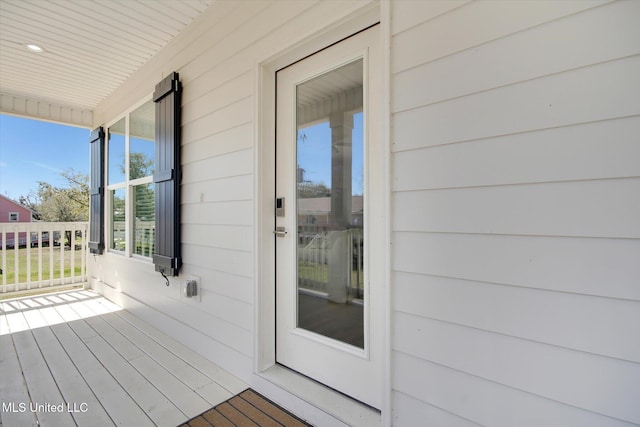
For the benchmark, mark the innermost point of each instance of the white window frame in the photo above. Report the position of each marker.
(17, 216)
(128, 185)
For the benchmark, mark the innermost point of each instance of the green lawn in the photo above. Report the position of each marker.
(9, 269)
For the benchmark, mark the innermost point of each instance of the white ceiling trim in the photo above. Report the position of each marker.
(42, 110)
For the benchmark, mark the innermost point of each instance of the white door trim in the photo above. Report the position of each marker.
(264, 221)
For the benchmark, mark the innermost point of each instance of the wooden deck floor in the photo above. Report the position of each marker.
(250, 409)
(75, 358)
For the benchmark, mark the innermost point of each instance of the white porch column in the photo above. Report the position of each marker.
(341, 200)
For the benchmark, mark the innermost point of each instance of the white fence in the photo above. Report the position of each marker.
(36, 255)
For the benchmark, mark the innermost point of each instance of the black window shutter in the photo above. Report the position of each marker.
(96, 193)
(167, 175)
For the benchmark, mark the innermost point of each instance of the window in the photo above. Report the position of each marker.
(141, 164)
(130, 189)
(14, 216)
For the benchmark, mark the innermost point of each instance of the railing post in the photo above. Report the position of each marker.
(85, 251)
(27, 246)
(16, 258)
(72, 244)
(39, 256)
(51, 245)
(3, 228)
(62, 246)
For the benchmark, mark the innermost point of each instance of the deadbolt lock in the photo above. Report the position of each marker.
(280, 206)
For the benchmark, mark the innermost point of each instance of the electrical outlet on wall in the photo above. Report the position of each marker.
(190, 289)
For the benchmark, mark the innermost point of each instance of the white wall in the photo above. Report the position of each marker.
(217, 58)
(516, 200)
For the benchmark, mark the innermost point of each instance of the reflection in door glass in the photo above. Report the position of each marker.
(330, 205)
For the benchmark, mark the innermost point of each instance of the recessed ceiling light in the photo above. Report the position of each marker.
(33, 48)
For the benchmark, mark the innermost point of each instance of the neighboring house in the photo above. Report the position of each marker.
(14, 212)
(501, 206)
(11, 211)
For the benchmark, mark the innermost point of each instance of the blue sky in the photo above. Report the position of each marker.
(314, 154)
(32, 151)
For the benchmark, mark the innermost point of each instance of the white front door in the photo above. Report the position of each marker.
(329, 217)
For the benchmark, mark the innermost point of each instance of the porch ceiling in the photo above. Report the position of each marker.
(90, 48)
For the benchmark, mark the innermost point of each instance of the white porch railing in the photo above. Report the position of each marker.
(313, 262)
(37, 255)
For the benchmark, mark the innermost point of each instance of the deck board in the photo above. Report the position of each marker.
(14, 390)
(121, 407)
(69, 380)
(161, 411)
(17, 322)
(126, 348)
(211, 370)
(79, 348)
(187, 400)
(43, 389)
(247, 409)
(187, 373)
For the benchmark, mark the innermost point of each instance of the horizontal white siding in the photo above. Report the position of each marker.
(407, 409)
(582, 209)
(485, 402)
(516, 216)
(540, 51)
(574, 321)
(601, 267)
(556, 373)
(470, 25)
(551, 101)
(591, 151)
(230, 140)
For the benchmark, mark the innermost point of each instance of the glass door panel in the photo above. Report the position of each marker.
(330, 204)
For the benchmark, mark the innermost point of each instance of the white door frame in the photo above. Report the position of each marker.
(352, 370)
(264, 184)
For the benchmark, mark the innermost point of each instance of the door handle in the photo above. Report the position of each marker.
(280, 232)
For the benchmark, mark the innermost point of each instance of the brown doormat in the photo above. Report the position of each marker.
(248, 408)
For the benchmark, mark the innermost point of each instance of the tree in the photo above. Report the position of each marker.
(60, 204)
(139, 165)
(65, 204)
(31, 201)
(308, 190)
(78, 192)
